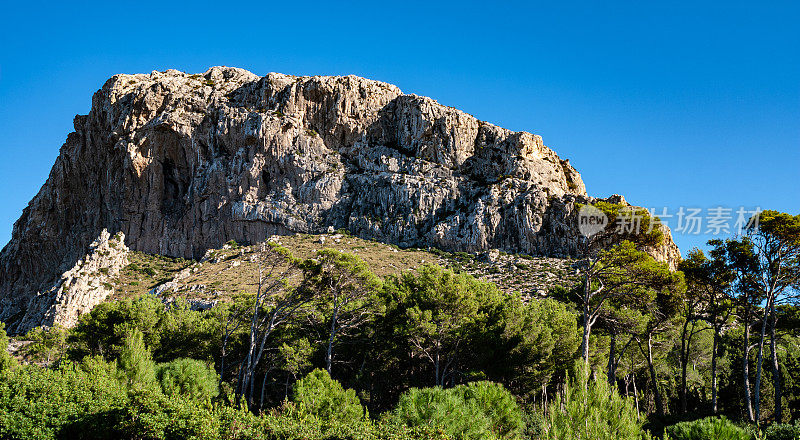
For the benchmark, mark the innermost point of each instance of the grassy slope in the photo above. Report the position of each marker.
(224, 272)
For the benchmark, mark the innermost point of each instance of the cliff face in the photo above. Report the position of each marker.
(181, 163)
(78, 289)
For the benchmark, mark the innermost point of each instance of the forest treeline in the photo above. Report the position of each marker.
(325, 349)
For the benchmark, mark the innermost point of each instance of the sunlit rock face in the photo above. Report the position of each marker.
(181, 163)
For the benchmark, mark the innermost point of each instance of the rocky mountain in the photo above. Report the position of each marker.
(179, 164)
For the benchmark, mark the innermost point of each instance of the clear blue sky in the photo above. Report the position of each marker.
(670, 103)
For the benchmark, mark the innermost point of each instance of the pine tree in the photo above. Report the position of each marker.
(137, 368)
(590, 410)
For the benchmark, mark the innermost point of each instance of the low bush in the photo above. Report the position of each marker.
(477, 410)
(152, 415)
(436, 408)
(783, 431)
(188, 377)
(497, 404)
(320, 396)
(709, 428)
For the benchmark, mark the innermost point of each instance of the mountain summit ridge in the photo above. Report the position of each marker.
(181, 163)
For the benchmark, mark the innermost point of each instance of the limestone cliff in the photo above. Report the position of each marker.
(182, 163)
(80, 288)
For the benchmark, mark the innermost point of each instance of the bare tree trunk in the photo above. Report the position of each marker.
(714, 369)
(635, 394)
(654, 377)
(250, 397)
(222, 364)
(240, 385)
(544, 396)
(585, 345)
(684, 360)
(587, 326)
(627, 385)
(760, 361)
(329, 351)
(263, 385)
(436, 362)
(776, 372)
(746, 369)
(248, 367)
(612, 353)
(615, 359)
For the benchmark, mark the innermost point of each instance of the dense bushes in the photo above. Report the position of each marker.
(150, 414)
(92, 400)
(169, 332)
(710, 428)
(138, 368)
(46, 403)
(720, 428)
(435, 314)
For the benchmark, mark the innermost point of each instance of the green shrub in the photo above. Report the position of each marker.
(103, 330)
(443, 409)
(5, 359)
(170, 332)
(709, 428)
(497, 404)
(319, 395)
(783, 431)
(188, 377)
(152, 415)
(85, 401)
(589, 409)
(290, 423)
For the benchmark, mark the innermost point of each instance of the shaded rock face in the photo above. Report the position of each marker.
(181, 163)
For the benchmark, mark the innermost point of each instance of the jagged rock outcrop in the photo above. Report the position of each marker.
(181, 163)
(79, 289)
